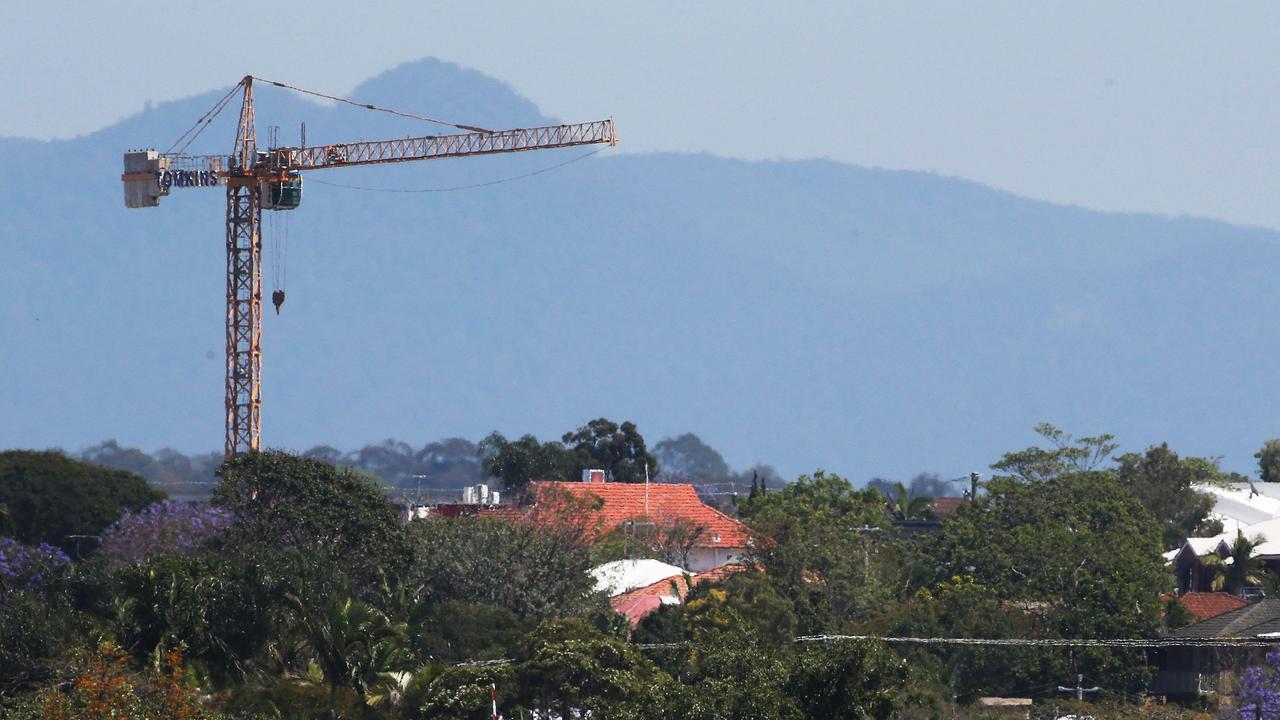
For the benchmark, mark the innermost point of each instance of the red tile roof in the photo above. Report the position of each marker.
(944, 506)
(659, 502)
(636, 604)
(1204, 605)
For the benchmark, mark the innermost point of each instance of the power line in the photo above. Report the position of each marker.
(992, 642)
(1022, 642)
(1054, 642)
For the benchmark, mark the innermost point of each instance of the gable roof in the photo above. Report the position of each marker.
(1245, 622)
(660, 502)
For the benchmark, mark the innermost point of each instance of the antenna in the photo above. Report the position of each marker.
(646, 488)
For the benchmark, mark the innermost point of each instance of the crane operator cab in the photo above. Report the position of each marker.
(282, 194)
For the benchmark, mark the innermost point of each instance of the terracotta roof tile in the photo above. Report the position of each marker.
(944, 506)
(1204, 605)
(1246, 621)
(660, 502)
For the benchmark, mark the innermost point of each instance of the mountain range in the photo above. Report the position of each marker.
(804, 313)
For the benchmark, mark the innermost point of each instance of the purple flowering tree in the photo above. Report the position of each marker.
(168, 527)
(29, 567)
(1259, 697)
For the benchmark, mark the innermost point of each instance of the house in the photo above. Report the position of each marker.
(1250, 509)
(694, 535)
(1193, 670)
(1189, 571)
(1245, 622)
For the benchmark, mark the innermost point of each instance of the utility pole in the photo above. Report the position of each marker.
(1079, 689)
(972, 493)
(866, 551)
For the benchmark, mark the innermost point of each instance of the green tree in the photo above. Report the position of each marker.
(1078, 546)
(354, 644)
(51, 497)
(517, 462)
(565, 667)
(1269, 461)
(961, 607)
(828, 547)
(1176, 615)
(619, 450)
(536, 569)
(462, 692)
(284, 501)
(744, 599)
(1163, 482)
(225, 608)
(36, 631)
(689, 455)
(457, 631)
(733, 673)
(848, 679)
(1068, 454)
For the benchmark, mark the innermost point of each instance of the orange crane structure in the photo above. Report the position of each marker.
(272, 180)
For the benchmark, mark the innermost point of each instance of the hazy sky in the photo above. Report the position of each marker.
(1169, 107)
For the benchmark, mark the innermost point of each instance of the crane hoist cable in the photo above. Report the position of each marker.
(279, 227)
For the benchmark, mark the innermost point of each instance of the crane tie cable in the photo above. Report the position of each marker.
(203, 122)
(459, 187)
(367, 106)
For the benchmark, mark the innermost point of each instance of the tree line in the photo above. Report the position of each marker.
(297, 592)
(453, 463)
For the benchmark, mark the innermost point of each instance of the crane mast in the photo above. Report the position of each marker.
(272, 180)
(244, 289)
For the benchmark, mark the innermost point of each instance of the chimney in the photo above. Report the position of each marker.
(593, 476)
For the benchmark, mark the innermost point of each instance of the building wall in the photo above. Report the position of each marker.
(706, 558)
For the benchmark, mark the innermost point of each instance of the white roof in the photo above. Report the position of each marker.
(1204, 546)
(620, 576)
(1270, 532)
(1239, 505)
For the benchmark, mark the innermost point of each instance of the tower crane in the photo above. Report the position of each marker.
(258, 180)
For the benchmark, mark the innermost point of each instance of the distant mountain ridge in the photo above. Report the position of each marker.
(802, 313)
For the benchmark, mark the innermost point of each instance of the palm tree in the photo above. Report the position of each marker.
(1244, 568)
(1217, 567)
(354, 644)
(908, 506)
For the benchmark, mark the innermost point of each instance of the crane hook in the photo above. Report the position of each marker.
(277, 299)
